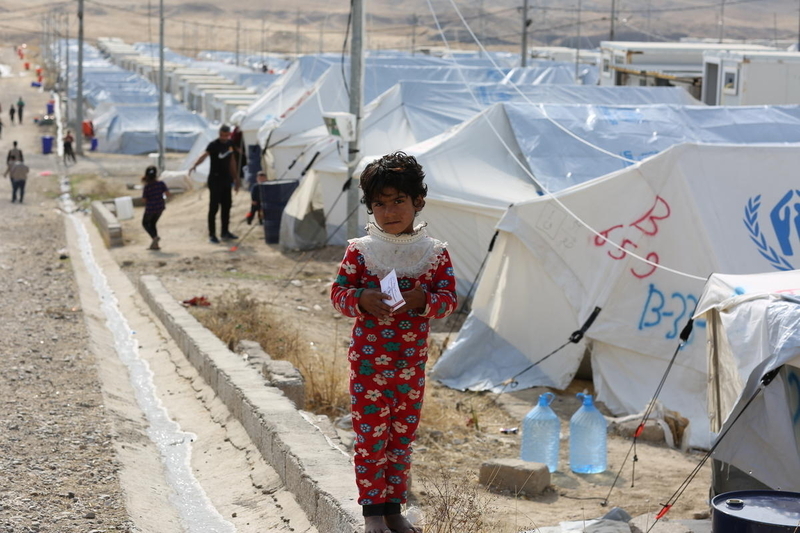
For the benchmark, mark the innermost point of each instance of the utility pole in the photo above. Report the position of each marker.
(356, 94)
(578, 44)
(238, 28)
(79, 98)
(66, 75)
(297, 35)
(722, 21)
(161, 138)
(613, 19)
(414, 35)
(196, 41)
(482, 20)
(322, 34)
(798, 27)
(263, 43)
(524, 52)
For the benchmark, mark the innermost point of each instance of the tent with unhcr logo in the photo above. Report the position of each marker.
(694, 209)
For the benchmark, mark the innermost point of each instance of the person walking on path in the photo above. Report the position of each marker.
(222, 175)
(1, 128)
(388, 347)
(18, 172)
(14, 153)
(68, 152)
(20, 108)
(11, 112)
(154, 204)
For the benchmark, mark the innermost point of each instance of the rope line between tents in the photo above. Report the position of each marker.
(598, 235)
(527, 99)
(684, 337)
(765, 381)
(575, 338)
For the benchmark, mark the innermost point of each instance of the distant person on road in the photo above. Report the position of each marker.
(223, 175)
(14, 153)
(388, 349)
(68, 152)
(18, 172)
(11, 112)
(154, 204)
(20, 108)
(1, 128)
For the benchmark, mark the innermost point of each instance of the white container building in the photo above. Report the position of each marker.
(751, 78)
(644, 64)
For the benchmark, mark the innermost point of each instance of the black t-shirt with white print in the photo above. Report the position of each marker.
(220, 155)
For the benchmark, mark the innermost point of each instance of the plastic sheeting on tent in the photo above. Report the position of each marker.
(296, 84)
(133, 129)
(475, 171)
(412, 111)
(330, 93)
(696, 209)
(754, 328)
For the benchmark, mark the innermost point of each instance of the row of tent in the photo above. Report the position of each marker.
(583, 192)
(123, 106)
(493, 150)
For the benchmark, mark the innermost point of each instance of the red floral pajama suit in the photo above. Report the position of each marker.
(388, 356)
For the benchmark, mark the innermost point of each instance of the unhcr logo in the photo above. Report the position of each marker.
(784, 217)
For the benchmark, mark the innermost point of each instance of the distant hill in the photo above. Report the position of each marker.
(307, 26)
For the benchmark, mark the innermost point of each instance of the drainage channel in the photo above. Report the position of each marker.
(195, 509)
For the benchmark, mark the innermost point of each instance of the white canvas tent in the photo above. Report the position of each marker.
(411, 112)
(331, 94)
(694, 208)
(753, 329)
(476, 170)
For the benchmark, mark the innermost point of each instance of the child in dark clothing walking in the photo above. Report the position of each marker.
(154, 203)
(389, 346)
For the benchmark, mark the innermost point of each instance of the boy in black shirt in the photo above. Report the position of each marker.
(224, 172)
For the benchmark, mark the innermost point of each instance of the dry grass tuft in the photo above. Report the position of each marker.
(237, 316)
(453, 504)
(93, 187)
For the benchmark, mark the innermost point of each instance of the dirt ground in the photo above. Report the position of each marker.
(295, 286)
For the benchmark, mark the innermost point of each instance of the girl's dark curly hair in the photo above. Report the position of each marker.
(398, 171)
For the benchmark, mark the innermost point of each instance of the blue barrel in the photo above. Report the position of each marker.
(50, 108)
(94, 144)
(274, 195)
(755, 511)
(47, 144)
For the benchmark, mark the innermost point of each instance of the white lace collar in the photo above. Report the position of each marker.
(409, 254)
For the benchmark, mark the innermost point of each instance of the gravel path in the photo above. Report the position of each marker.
(57, 465)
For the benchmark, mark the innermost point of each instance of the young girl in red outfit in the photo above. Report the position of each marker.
(388, 349)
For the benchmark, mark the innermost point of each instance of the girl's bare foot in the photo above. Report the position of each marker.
(375, 524)
(400, 524)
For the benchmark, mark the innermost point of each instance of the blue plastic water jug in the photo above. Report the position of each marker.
(540, 434)
(587, 439)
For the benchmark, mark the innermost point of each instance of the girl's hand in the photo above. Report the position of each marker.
(372, 302)
(415, 299)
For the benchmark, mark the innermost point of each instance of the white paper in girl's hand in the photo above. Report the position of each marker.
(390, 286)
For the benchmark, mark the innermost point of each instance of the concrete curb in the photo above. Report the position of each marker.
(320, 476)
(107, 223)
(280, 374)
